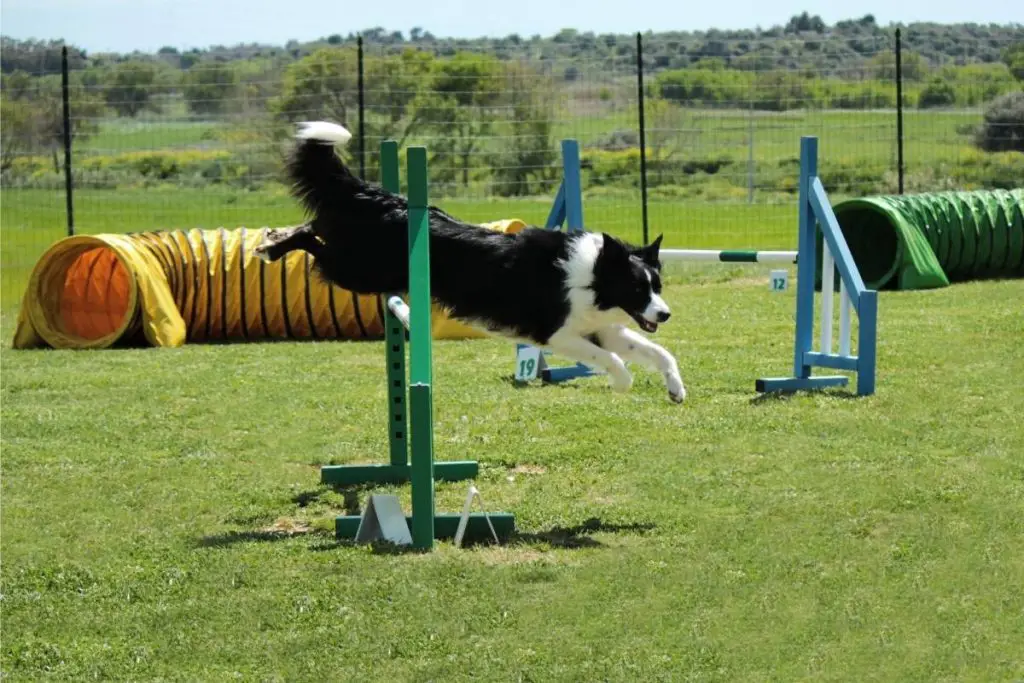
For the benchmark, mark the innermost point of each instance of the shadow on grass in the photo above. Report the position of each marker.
(559, 537)
(229, 538)
(780, 396)
(350, 494)
(577, 536)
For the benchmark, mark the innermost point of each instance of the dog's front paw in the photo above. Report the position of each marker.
(676, 390)
(263, 252)
(620, 381)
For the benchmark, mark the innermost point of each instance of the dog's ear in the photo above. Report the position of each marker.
(614, 249)
(649, 254)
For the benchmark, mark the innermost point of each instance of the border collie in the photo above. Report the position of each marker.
(570, 293)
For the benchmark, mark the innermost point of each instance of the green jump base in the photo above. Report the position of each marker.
(350, 475)
(445, 526)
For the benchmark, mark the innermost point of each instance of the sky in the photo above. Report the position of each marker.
(126, 25)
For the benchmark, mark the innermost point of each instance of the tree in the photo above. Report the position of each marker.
(1003, 127)
(913, 65)
(211, 87)
(32, 116)
(131, 88)
(671, 130)
(324, 85)
(1013, 57)
(37, 57)
(525, 163)
(460, 108)
(17, 129)
(805, 22)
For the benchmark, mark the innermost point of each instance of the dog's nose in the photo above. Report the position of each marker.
(663, 316)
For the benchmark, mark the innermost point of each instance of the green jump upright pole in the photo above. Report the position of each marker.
(411, 404)
(421, 405)
(394, 338)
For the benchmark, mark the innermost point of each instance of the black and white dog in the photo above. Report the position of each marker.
(570, 293)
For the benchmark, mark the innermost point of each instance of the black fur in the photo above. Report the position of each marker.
(508, 283)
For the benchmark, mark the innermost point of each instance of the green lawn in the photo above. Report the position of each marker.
(118, 135)
(870, 136)
(163, 517)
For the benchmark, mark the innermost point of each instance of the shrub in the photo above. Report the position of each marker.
(938, 93)
(1003, 126)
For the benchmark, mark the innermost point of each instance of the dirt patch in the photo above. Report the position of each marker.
(529, 469)
(288, 526)
(518, 555)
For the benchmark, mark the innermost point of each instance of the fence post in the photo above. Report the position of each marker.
(362, 109)
(750, 153)
(899, 109)
(643, 130)
(68, 185)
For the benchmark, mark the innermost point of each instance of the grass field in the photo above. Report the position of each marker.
(163, 517)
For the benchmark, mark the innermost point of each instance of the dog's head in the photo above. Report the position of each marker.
(629, 278)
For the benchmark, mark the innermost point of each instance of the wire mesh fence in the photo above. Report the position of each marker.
(183, 140)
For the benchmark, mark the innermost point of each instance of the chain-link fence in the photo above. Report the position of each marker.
(184, 140)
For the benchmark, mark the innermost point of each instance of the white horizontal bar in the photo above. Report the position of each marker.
(400, 309)
(728, 255)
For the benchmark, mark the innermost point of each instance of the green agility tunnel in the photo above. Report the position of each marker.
(929, 240)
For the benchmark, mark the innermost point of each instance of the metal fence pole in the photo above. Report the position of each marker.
(68, 185)
(750, 153)
(643, 129)
(362, 110)
(899, 110)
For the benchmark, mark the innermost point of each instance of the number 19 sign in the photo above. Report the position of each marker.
(527, 363)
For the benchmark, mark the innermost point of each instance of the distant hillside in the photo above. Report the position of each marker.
(493, 108)
(805, 42)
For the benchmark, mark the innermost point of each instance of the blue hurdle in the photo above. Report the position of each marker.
(815, 212)
(567, 208)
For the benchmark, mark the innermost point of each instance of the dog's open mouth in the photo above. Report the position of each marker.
(645, 325)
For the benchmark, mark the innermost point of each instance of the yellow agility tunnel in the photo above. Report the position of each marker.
(169, 288)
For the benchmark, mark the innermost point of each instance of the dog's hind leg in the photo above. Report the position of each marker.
(633, 346)
(278, 242)
(585, 351)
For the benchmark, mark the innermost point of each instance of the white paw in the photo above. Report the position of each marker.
(676, 390)
(620, 380)
(261, 252)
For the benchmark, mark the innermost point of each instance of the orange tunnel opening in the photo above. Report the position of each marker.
(94, 299)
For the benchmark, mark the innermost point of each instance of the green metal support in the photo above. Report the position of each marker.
(397, 471)
(394, 337)
(410, 404)
(420, 389)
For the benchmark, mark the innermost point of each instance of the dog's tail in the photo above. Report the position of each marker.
(314, 168)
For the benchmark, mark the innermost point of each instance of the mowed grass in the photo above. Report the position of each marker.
(118, 135)
(163, 517)
(868, 136)
(34, 219)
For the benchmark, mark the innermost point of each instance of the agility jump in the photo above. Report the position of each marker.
(816, 217)
(412, 452)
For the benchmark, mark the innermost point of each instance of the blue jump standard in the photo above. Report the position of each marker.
(814, 211)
